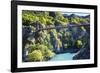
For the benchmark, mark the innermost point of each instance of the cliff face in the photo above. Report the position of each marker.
(82, 54)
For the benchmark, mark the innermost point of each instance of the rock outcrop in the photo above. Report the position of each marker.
(84, 53)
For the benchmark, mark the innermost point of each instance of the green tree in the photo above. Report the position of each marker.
(36, 55)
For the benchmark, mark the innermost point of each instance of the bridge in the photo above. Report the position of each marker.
(58, 27)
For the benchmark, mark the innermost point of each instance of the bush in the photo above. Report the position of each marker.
(66, 45)
(36, 55)
(40, 49)
(79, 43)
(49, 54)
(29, 19)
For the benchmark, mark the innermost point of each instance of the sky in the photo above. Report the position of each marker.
(76, 13)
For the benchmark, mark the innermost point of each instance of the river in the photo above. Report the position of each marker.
(62, 57)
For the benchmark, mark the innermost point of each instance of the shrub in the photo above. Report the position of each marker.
(82, 28)
(40, 50)
(49, 54)
(29, 19)
(79, 43)
(66, 45)
(36, 55)
(46, 52)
